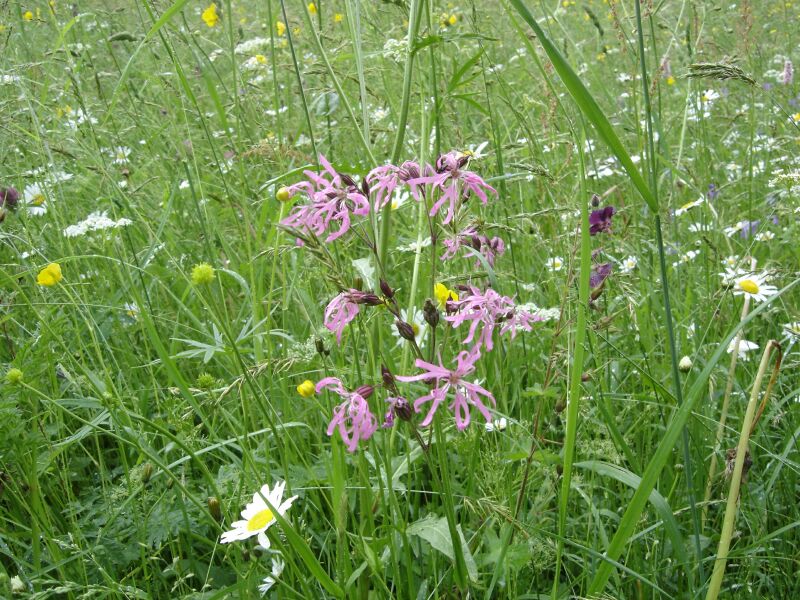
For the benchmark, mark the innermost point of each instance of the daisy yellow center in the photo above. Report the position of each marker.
(688, 205)
(260, 520)
(38, 200)
(749, 286)
(415, 327)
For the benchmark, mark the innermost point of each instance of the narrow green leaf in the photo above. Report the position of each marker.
(588, 105)
(653, 471)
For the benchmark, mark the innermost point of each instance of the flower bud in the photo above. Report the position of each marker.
(213, 508)
(430, 313)
(595, 200)
(365, 391)
(283, 195)
(320, 346)
(14, 376)
(306, 389)
(387, 291)
(685, 364)
(9, 197)
(388, 378)
(147, 472)
(370, 300)
(402, 408)
(405, 330)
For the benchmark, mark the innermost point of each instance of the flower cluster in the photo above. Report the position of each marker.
(334, 203)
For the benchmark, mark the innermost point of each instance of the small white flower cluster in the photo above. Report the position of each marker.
(395, 49)
(96, 221)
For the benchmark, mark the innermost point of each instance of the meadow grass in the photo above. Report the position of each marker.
(168, 312)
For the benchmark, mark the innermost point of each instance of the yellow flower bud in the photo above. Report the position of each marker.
(306, 389)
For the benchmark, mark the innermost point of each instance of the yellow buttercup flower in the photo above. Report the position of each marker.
(27, 15)
(312, 8)
(338, 18)
(306, 389)
(670, 80)
(280, 27)
(210, 16)
(443, 294)
(50, 275)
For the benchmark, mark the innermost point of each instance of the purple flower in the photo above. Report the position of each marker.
(788, 73)
(466, 394)
(599, 274)
(352, 418)
(333, 197)
(398, 407)
(344, 308)
(9, 197)
(748, 228)
(449, 172)
(767, 86)
(600, 220)
(713, 191)
(487, 310)
(469, 237)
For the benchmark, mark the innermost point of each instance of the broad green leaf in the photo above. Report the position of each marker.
(436, 532)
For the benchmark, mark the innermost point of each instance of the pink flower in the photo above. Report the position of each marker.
(466, 394)
(446, 177)
(333, 197)
(384, 180)
(469, 237)
(344, 308)
(352, 418)
(487, 310)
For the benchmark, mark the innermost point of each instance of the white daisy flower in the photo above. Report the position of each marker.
(744, 348)
(689, 205)
(764, 236)
(629, 264)
(497, 425)
(731, 275)
(399, 197)
(754, 286)
(120, 155)
(730, 261)
(277, 569)
(791, 331)
(257, 516)
(35, 199)
(554, 263)
(709, 96)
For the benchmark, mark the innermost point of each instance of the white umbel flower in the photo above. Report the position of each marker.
(257, 516)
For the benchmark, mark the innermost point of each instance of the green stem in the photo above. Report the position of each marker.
(736, 480)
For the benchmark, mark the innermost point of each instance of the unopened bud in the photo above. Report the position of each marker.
(282, 195)
(595, 200)
(405, 330)
(370, 300)
(430, 313)
(387, 291)
(213, 508)
(358, 283)
(402, 409)
(388, 378)
(319, 345)
(365, 391)
(685, 364)
(147, 472)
